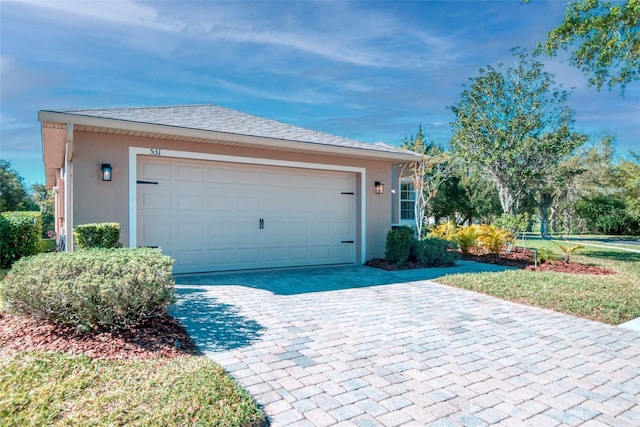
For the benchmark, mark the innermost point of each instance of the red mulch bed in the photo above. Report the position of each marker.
(518, 258)
(162, 337)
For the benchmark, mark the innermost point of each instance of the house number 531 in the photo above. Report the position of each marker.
(154, 151)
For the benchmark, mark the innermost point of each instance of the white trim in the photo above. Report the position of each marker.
(68, 189)
(401, 221)
(134, 152)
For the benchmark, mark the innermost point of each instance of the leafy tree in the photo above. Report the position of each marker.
(466, 197)
(44, 199)
(626, 176)
(605, 39)
(428, 174)
(514, 125)
(14, 195)
(606, 214)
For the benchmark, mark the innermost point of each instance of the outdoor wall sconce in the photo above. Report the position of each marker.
(106, 172)
(378, 187)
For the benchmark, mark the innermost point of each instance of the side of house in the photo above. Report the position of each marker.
(221, 190)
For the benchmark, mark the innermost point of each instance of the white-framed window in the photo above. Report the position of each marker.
(407, 200)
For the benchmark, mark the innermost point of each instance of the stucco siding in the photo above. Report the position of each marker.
(98, 201)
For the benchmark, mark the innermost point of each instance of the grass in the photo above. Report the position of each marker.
(611, 299)
(57, 389)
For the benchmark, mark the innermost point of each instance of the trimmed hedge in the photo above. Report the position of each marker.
(436, 252)
(93, 288)
(398, 245)
(100, 235)
(19, 236)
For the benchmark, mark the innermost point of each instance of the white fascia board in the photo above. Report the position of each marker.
(57, 117)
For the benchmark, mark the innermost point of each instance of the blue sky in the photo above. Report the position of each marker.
(371, 70)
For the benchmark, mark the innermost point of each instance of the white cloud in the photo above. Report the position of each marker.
(122, 12)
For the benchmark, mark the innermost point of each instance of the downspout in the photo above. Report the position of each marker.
(68, 188)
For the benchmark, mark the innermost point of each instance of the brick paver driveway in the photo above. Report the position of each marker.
(358, 346)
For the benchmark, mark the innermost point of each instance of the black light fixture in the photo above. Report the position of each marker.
(378, 187)
(106, 172)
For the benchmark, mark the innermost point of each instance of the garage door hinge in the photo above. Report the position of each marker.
(344, 192)
(147, 182)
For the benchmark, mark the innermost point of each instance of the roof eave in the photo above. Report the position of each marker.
(45, 116)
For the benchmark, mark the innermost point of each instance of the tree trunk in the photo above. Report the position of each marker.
(544, 204)
(506, 197)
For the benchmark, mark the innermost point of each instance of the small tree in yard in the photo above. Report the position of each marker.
(428, 174)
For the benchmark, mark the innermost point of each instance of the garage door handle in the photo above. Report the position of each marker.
(261, 225)
(347, 241)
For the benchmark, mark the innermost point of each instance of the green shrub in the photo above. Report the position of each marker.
(47, 245)
(93, 288)
(466, 237)
(19, 236)
(545, 254)
(398, 245)
(446, 230)
(492, 239)
(100, 235)
(568, 250)
(436, 252)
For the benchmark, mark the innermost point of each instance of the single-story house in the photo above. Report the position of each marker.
(218, 189)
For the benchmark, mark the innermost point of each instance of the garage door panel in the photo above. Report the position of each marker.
(155, 171)
(248, 255)
(218, 204)
(297, 253)
(156, 228)
(189, 173)
(189, 257)
(207, 214)
(224, 256)
(321, 252)
(249, 177)
(156, 201)
(191, 231)
(343, 229)
(189, 202)
(219, 174)
(343, 251)
(277, 253)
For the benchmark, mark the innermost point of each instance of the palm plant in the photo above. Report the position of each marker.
(567, 250)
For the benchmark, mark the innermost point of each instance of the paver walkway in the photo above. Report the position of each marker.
(349, 346)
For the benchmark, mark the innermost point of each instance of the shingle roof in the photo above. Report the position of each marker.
(225, 120)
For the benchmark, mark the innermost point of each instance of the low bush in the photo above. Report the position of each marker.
(436, 252)
(398, 245)
(93, 288)
(19, 236)
(100, 235)
(545, 254)
(446, 230)
(47, 245)
(466, 237)
(493, 239)
(568, 250)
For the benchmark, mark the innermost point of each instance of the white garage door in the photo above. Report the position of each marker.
(213, 216)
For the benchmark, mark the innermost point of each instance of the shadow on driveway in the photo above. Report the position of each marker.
(218, 326)
(327, 278)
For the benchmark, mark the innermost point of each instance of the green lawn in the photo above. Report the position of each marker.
(612, 299)
(53, 389)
